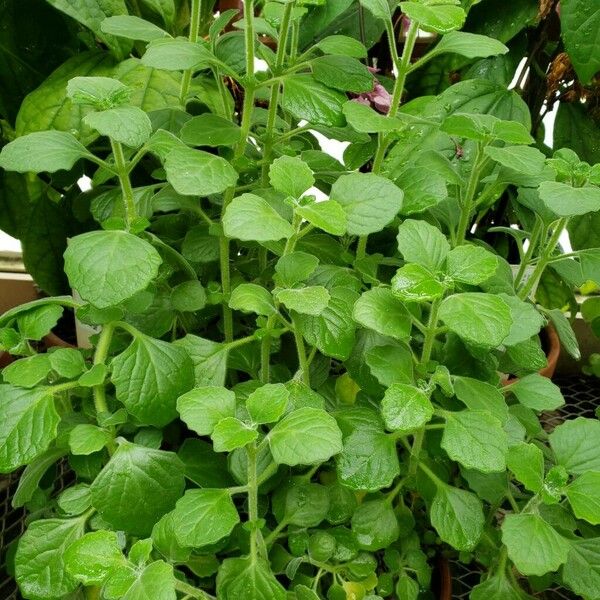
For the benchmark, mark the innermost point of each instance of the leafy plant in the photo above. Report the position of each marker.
(292, 397)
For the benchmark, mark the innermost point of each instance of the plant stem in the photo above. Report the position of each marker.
(270, 539)
(533, 241)
(265, 351)
(361, 247)
(178, 258)
(301, 351)
(186, 79)
(438, 482)
(99, 391)
(251, 451)
(431, 332)
(190, 590)
(467, 203)
(415, 451)
(126, 189)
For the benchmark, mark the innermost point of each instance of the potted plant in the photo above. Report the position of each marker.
(290, 397)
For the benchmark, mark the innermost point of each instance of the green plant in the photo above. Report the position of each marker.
(292, 397)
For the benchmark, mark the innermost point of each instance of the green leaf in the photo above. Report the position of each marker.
(369, 201)
(86, 439)
(156, 581)
(574, 445)
(305, 98)
(476, 440)
(580, 21)
(176, 55)
(332, 332)
(439, 18)
(537, 392)
(523, 159)
(471, 45)
(482, 319)
(209, 359)
(203, 465)
(268, 403)
(149, 376)
(581, 572)
(375, 525)
(27, 372)
(202, 408)
(328, 216)
(304, 437)
(378, 8)
(188, 296)
(198, 173)
(210, 130)
(584, 497)
(379, 310)
(405, 408)
(364, 119)
(301, 503)
(91, 558)
(230, 433)
(28, 424)
(342, 73)
(151, 481)
(422, 243)
(75, 500)
(128, 125)
(342, 44)
(34, 471)
(291, 176)
(498, 587)
(566, 201)
(457, 516)
(67, 362)
(533, 545)
(132, 28)
(108, 267)
(311, 300)
(471, 264)
(40, 558)
(565, 332)
(526, 461)
(42, 151)
(295, 267)
(248, 579)
(481, 396)
(203, 517)
(100, 92)
(163, 538)
(422, 189)
(251, 218)
(526, 320)
(414, 283)
(249, 297)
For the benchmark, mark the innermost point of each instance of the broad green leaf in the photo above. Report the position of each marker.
(230, 433)
(295, 267)
(149, 376)
(268, 403)
(584, 497)
(40, 558)
(86, 439)
(533, 545)
(301, 503)
(151, 481)
(328, 216)
(574, 445)
(422, 188)
(580, 21)
(470, 126)
(291, 176)
(375, 525)
(498, 587)
(108, 267)
(312, 300)
(565, 332)
(332, 332)
(203, 465)
(379, 310)
(526, 461)
(209, 359)
(369, 460)
(567, 201)
(188, 296)
(414, 283)
(198, 173)
(471, 264)
(581, 572)
(27, 372)
(342, 73)
(210, 130)
(75, 500)
(476, 440)
(176, 55)
(249, 297)
(342, 44)
(163, 538)
(132, 28)
(34, 471)
(537, 392)
(439, 18)
(250, 217)
(526, 320)
(244, 578)
(364, 119)
(128, 125)
(305, 98)
(202, 408)
(101, 92)
(304, 437)
(405, 408)
(378, 8)
(457, 516)
(156, 581)
(481, 396)
(203, 517)
(42, 151)
(369, 201)
(523, 159)
(471, 45)
(67, 362)
(390, 363)
(28, 424)
(482, 319)
(423, 244)
(35, 323)
(91, 558)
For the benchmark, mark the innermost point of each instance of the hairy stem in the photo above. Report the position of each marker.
(467, 203)
(195, 11)
(99, 391)
(126, 189)
(301, 351)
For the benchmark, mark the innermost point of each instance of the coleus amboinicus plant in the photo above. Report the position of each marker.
(291, 397)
